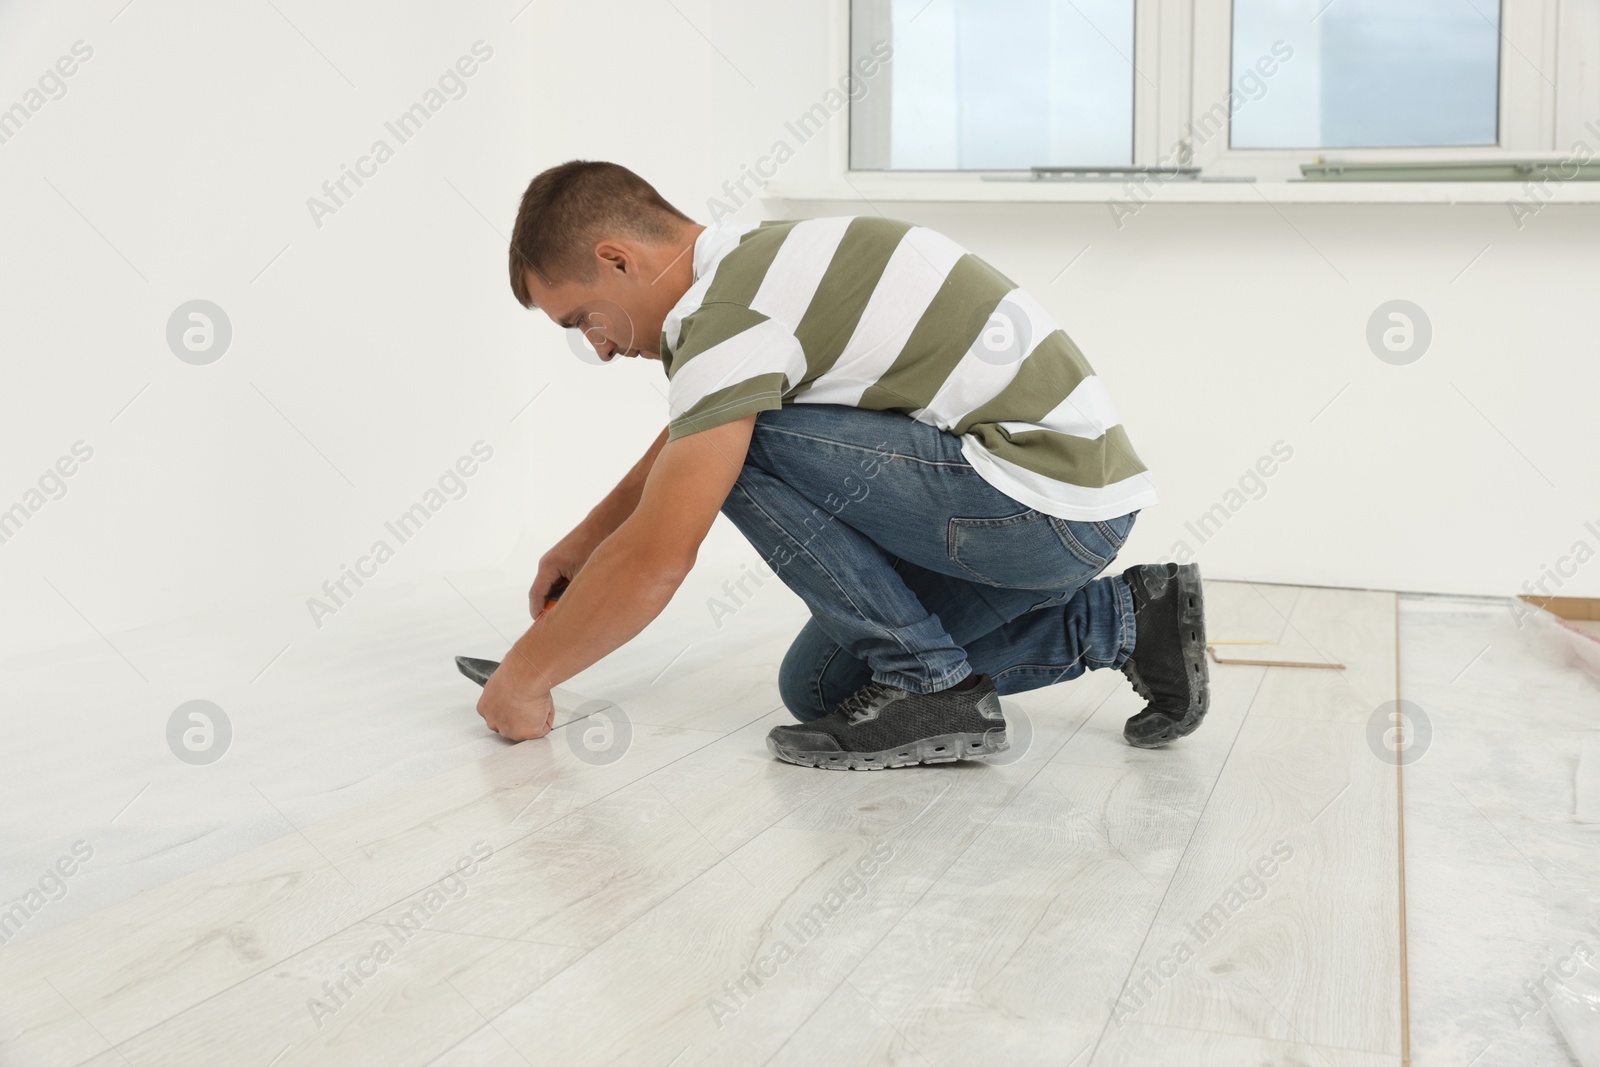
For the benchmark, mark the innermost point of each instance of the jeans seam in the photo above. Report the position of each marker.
(852, 446)
(1054, 670)
(1073, 545)
(821, 699)
(1126, 622)
(943, 682)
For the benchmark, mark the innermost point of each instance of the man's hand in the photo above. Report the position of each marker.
(514, 708)
(565, 560)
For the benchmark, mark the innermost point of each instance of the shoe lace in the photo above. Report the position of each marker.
(856, 706)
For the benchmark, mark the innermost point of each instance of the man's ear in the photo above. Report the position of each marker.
(614, 257)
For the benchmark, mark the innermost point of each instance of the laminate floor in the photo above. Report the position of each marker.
(647, 886)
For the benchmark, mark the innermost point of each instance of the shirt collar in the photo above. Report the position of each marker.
(716, 241)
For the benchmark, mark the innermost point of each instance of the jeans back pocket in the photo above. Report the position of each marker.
(1032, 550)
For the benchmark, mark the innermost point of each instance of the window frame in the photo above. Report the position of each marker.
(1183, 52)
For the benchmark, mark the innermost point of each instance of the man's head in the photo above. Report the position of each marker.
(596, 248)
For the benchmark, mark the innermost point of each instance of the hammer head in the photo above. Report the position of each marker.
(476, 669)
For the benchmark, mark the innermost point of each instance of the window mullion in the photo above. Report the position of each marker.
(1164, 39)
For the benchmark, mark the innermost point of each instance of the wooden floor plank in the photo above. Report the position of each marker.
(1282, 922)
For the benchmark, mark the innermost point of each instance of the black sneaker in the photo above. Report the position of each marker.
(881, 726)
(1168, 664)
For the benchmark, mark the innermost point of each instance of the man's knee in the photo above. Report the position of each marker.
(800, 681)
(797, 686)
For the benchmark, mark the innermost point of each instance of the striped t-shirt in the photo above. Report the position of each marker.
(879, 314)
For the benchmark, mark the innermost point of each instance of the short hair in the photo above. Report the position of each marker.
(569, 207)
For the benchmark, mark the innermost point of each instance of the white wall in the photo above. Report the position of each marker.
(372, 353)
(179, 162)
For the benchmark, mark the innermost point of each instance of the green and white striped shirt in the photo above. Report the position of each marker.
(879, 314)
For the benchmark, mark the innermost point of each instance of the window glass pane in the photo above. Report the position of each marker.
(996, 84)
(1368, 73)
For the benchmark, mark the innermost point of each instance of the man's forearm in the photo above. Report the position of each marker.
(608, 515)
(626, 584)
(627, 579)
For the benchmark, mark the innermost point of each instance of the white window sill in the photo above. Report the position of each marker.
(970, 189)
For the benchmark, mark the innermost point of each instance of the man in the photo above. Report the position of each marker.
(905, 436)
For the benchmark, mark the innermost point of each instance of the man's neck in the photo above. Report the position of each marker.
(682, 266)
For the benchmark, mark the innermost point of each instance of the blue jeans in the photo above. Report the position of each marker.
(916, 570)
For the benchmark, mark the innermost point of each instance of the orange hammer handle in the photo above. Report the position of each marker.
(550, 600)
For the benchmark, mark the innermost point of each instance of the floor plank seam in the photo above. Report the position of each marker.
(1400, 844)
(1176, 867)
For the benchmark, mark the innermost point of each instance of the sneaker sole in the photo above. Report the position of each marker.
(1173, 730)
(1192, 626)
(944, 748)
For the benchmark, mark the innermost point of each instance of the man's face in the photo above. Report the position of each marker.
(619, 310)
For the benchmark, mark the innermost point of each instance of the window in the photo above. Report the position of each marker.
(1002, 84)
(1368, 73)
(1234, 89)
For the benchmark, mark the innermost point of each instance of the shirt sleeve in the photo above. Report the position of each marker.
(729, 362)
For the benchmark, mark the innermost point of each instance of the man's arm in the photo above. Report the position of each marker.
(618, 504)
(627, 581)
(568, 555)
